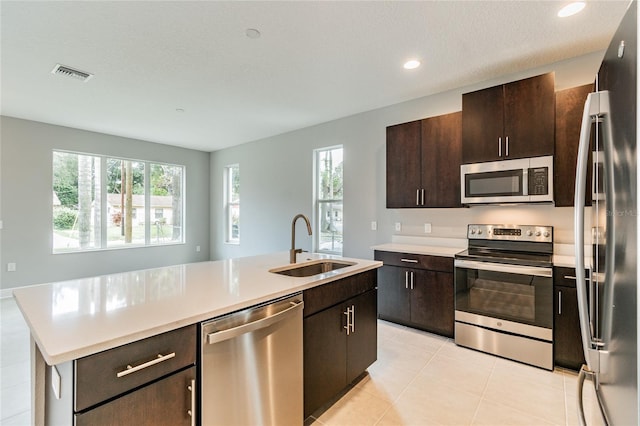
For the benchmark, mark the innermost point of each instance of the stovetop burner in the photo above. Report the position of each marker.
(510, 244)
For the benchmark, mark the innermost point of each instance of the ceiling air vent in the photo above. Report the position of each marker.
(70, 72)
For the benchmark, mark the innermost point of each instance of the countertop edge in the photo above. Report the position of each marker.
(82, 351)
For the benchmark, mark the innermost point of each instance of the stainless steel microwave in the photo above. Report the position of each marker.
(526, 180)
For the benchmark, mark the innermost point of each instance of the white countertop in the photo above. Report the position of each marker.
(446, 247)
(563, 254)
(76, 318)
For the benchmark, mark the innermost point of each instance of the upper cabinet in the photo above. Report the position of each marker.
(423, 162)
(514, 120)
(569, 108)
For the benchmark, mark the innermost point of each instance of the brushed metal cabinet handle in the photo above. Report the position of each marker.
(506, 147)
(500, 146)
(353, 318)
(417, 197)
(411, 280)
(422, 197)
(160, 358)
(406, 279)
(409, 260)
(559, 302)
(348, 326)
(192, 411)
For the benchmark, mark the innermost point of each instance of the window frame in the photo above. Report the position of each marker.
(104, 219)
(318, 203)
(230, 204)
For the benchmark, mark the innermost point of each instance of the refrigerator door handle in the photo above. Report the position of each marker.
(597, 104)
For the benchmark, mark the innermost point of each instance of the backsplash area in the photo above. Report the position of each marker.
(452, 223)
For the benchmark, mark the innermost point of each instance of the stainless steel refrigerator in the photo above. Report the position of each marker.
(608, 301)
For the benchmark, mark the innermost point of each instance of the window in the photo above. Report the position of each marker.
(103, 202)
(328, 194)
(232, 203)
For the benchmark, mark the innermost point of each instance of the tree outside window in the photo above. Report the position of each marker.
(101, 202)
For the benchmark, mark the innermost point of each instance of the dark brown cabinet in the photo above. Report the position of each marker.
(569, 109)
(510, 121)
(423, 162)
(567, 343)
(150, 381)
(165, 402)
(340, 336)
(416, 290)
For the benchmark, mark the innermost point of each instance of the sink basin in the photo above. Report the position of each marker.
(309, 269)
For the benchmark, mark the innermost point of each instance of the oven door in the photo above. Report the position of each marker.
(511, 298)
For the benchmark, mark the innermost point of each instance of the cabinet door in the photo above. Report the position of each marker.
(441, 159)
(362, 342)
(325, 353)
(567, 342)
(529, 117)
(569, 108)
(482, 125)
(393, 294)
(432, 301)
(403, 164)
(165, 402)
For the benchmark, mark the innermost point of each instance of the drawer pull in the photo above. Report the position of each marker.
(409, 260)
(159, 359)
(569, 277)
(192, 411)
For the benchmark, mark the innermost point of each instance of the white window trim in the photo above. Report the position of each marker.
(103, 205)
(228, 181)
(317, 202)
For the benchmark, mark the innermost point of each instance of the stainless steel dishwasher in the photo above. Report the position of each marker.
(251, 366)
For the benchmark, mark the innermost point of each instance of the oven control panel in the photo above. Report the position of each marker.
(535, 233)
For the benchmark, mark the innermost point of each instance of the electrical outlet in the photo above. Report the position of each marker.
(374, 225)
(11, 267)
(427, 228)
(398, 226)
(198, 249)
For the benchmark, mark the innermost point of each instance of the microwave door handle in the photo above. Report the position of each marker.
(525, 182)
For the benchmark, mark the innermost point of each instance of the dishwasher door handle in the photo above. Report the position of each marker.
(223, 335)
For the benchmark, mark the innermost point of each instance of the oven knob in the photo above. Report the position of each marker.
(529, 233)
(473, 231)
(538, 233)
(546, 234)
(479, 231)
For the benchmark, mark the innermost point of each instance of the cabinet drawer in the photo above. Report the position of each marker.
(165, 402)
(566, 277)
(97, 378)
(410, 260)
(326, 295)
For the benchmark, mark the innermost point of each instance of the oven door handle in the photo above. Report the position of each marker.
(499, 267)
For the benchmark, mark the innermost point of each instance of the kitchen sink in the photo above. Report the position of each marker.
(309, 269)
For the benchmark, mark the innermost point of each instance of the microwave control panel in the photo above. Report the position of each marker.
(538, 181)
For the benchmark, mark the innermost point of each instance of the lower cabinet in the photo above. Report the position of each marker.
(421, 296)
(151, 381)
(165, 402)
(340, 341)
(567, 343)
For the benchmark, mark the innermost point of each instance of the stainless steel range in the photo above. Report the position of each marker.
(504, 292)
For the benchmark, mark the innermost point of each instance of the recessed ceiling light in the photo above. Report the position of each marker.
(412, 64)
(252, 33)
(571, 9)
(179, 109)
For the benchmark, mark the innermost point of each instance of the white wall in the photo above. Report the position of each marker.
(276, 178)
(26, 197)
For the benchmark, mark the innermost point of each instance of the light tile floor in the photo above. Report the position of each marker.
(419, 379)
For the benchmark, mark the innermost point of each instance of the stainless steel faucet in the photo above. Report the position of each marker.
(294, 250)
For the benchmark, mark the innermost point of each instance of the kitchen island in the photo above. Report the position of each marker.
(78, 318)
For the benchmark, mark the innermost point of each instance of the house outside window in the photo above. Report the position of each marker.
(104, 202)
(328, 199)
(232, 203)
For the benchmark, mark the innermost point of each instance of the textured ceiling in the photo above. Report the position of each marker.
(314, 62)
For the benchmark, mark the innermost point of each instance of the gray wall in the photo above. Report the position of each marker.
(26, 197)
(276, 178)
